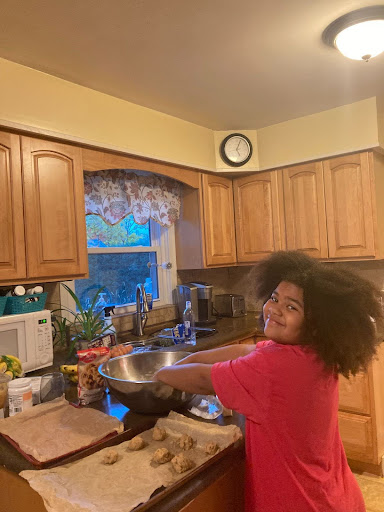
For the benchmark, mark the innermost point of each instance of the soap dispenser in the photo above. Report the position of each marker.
(108, 310)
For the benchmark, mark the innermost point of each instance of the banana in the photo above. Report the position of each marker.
(8, 372)
(13, 364)
(3, 367)
(73, 378)
(69, 369)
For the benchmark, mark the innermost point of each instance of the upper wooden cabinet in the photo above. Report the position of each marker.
(205, 232)
(52, 214)
(12, 247)
(330, 207)
(304, 204)
(350, 205)
(258, 215)
(220, 240)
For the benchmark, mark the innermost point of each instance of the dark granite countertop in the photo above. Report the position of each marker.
(228, 330)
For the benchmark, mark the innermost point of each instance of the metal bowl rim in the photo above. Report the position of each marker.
(132, 355)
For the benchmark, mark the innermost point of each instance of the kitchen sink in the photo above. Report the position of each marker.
(160, 341)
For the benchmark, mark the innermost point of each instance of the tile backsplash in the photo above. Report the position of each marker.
(241, 279)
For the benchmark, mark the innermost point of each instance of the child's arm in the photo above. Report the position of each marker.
(193, 373)
(192, 378)
(217, 355)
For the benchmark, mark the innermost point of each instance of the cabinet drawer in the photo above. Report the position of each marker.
(354, 394)
(356, 434)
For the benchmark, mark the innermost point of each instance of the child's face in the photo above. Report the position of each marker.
(284, 314)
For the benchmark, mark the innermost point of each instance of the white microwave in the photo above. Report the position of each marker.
(29, 337)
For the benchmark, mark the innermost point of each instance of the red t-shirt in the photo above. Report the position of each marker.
(295, 459)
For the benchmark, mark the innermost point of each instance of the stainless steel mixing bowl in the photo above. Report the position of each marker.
(129, 379)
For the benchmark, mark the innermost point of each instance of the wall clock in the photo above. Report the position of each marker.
(236, 149)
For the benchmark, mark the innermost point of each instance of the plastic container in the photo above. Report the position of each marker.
(25, 304)
(3, 301)
(17, 291)
(36, 289)
(4, 380)
(19, 395)
(189, 324)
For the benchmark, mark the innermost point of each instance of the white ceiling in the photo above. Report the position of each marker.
(223, 64)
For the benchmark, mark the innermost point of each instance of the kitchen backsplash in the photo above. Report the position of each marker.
(241, 279)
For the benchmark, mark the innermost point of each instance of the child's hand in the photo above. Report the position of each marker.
(120, 350)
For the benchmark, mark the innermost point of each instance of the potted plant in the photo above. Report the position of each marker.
(87, 324)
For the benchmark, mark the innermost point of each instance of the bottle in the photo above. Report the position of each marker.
(189, 324)
(108, 310)
(19, 395)
(17, 291)
(36, 289)
(148, 292)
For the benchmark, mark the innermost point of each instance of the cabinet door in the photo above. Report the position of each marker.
(354, 394)
(54, 209)
(219, 225)
(304, 204)
(357, 435)
(259, 215)
(350, 215)
(12, 247)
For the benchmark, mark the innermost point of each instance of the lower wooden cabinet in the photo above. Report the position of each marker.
(361, 416)
(224, 495)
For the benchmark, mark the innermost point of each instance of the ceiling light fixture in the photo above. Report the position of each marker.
(358, 35)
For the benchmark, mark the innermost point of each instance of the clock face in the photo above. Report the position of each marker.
(236, 150)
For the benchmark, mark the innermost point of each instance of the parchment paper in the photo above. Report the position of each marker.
(89, 485)
(55, 428)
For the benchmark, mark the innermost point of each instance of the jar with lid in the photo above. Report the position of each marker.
(19, 395)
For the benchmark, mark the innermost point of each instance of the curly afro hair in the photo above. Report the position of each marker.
(342, 311)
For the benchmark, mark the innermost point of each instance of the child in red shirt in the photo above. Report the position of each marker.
(320, 321)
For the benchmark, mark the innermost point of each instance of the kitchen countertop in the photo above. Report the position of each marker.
(228, 330)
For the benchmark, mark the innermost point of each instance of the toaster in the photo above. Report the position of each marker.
(230, 304)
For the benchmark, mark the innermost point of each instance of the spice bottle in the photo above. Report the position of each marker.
(19, 395)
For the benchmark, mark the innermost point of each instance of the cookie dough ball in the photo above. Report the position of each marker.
(162, 455)
(110, 457)
(211, 448)
(185, 442)
(159, 434)
(136, 443)
(181, 463)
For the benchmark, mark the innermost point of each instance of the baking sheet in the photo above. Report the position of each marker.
(90, 485)
(56, 429)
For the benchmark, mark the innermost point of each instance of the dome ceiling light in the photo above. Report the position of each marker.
(358, 35)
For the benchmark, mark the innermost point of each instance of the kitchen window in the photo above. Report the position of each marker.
(122, 252)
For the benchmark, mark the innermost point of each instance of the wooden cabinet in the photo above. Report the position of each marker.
(258, 215)
(361, 416)
(330, 207)
(224, 495)
(350, 205)
(12, 246)
(42, 188)
(304, 204)
(205, 233)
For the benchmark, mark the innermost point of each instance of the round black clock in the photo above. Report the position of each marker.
(236, 149)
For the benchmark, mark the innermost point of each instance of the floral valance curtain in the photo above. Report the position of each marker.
(116, 193)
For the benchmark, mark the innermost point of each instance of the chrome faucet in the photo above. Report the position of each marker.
(141, 310)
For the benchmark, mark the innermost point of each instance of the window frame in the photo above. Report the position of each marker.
(164, 245)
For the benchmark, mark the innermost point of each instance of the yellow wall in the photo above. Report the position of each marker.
(340, 130)
(57, 107)
(53, 106)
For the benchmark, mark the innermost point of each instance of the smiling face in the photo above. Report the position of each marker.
(284, 314)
